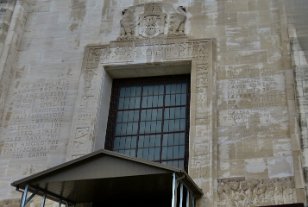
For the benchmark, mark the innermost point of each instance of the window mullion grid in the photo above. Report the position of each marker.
(163, 82)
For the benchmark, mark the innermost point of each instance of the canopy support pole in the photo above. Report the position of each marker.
(193, 200)
(181, 194)
(30, 198)
(43, 201)
(24, 197)
(174, 190)
(187, 198)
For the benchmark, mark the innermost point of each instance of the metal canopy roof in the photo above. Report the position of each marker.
(104, 176)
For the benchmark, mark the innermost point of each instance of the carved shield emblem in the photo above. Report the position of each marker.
(152, 25)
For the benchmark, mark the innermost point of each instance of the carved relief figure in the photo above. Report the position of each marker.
(177, 22)
(128, 24)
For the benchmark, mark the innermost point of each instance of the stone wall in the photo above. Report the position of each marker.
(244, 135)
(301, 66)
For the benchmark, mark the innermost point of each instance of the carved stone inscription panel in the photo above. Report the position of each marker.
(38, 115)
(239, 192)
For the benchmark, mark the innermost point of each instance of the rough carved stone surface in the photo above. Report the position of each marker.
(152, 20)
(243, 193)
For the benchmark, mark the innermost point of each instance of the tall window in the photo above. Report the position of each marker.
(149, 119)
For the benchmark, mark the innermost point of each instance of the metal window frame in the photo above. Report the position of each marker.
(115, 94)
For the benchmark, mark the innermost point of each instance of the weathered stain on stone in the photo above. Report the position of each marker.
(10, 203)
(107, 17)
(78, 11)
(73, 26)
(8, 116)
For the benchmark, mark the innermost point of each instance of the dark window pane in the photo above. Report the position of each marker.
(116, 143)
(132, 153)
(167, 100)
(147, 127)
(157, 140)
(144, 102)
(157, 153)
(176, 154)
(133, 142)
(184, 88)
(126, 103)
(142, 128)
(181, 137)
(165, 140)
(155, 90)
(152, 141)
(145, 153)
(155, 101)
(140, 142)
(146, 142)
(183, 99)
(151, 154)
(181, 151)
(160, 101)
(122, 92)
(170, 140)
(118, 129)
(176, 125)
(181, 164)
(135, 128)
(121, 103)
(158, 126)
(150, 102)
(150, 119)
(164, 153)
(139, 153)
(172, 100)
(182, 124)
(178, 88)
(127, 142)
(169, 152)
(122, 143)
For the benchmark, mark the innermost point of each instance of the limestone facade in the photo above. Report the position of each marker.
(58, 59)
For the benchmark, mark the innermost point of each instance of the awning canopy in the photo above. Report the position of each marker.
(106, 176)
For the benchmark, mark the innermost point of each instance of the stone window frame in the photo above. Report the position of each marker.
(137, 58)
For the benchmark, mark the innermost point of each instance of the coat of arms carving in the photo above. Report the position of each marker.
(152, 20)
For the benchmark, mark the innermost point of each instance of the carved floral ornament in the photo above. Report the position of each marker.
(152, 20)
